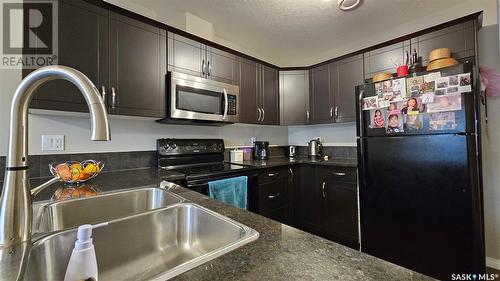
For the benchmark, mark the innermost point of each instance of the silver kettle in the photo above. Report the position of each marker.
(315, 148)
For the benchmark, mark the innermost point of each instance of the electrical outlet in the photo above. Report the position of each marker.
(52, 142)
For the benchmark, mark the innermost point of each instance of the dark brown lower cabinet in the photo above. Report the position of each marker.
(327, 203)
(274, 199)
(318, 199)
(340, 205)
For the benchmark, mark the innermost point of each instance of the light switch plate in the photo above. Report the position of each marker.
(52, 142)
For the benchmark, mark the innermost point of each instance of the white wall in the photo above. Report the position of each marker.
(331, 134)
(489, 56)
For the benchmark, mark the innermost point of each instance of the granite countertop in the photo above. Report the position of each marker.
(281, 252)
(285, 161)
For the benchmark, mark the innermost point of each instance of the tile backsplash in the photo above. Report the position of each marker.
(113, 161)
(349, 152)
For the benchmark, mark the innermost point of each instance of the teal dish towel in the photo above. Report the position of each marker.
(232, 191)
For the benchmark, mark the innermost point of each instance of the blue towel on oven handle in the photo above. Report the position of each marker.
(232, 191)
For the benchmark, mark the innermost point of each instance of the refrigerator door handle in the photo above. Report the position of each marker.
(323, 189)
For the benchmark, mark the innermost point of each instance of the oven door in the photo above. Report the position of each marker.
(196, 98)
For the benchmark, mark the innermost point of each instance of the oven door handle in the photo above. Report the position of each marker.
(226, 105)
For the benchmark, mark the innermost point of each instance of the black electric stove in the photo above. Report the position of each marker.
(195, 162)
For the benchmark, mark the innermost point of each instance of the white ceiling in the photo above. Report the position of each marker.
(302, 32)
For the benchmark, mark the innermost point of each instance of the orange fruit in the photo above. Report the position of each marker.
(62, 167)
(84, 176)
(65, 175)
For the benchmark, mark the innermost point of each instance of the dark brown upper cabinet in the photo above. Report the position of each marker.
(137, 68)
(259, 93)
(321, 98)
(85, 50)
(249, 109)
(459, 38)
(383, 59)
(194, 58)
(123, 57)
(349, 75)
(269, 96)
(332, 90)
(294, 97)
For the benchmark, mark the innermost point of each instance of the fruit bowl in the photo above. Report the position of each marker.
(74, 172)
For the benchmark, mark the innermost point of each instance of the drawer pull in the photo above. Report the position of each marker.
(273, 174)
(323, 190)
(340, 174)
(274, 196)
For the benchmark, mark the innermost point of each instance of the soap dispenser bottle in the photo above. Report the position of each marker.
(83, 263)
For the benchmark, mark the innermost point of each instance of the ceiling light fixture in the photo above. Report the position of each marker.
(346, 5)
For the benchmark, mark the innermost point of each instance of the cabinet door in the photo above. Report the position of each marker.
(350, 75)
(310, 216)
(294, 195)
(459, 38)
(340, 207)
(249, 112)
(85, 50)
(383, 59)
(320, 95)
(221, 66)
(294, 97)
(186, 55)
(270, 96)
(137, 67)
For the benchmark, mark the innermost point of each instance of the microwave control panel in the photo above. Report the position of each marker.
(231, 105)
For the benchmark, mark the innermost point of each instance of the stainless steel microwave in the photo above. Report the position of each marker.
(196, 98)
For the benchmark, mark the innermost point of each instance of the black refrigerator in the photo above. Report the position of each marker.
(420, 172)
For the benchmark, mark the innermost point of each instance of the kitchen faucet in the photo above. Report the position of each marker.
(16, 212)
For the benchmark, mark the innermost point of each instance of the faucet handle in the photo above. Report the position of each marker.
(103, 95)
(113, 98)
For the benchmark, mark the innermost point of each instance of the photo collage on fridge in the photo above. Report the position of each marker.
(401, 104)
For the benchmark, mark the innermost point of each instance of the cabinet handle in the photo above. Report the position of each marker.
(273, 174)
(331, 112)
(259, 114)
(340, 174)
(113, 98)
(307, 114)
(263, 115)
(103, 95)
(274, 196)
(203, 67)
(209, 71)
(291, 174)
(323, 189)
(336, 113)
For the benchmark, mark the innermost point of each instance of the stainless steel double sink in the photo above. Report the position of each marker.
(152, 234)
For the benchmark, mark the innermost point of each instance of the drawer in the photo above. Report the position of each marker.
(273, 175)
(340, 174)
(272, 195)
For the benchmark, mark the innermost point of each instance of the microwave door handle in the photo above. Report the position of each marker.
(226, 105)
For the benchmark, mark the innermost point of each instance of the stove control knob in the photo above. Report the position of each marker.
(173, 146)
